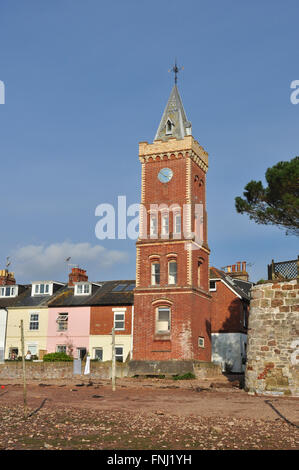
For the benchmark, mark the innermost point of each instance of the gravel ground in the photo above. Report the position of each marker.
(150, 414)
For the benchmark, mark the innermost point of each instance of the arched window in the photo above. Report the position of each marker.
(172, 272)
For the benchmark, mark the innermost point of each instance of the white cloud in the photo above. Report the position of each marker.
(47, 262)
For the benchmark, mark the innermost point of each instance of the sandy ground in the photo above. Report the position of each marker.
(145, 414)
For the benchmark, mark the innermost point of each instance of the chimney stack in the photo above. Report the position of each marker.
(238, 272)
(7, 278)
(77, 275)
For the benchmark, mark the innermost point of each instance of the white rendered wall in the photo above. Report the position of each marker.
(229, 348)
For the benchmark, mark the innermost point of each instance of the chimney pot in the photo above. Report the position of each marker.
(77, 275)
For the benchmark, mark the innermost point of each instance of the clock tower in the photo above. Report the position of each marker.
(171, 299)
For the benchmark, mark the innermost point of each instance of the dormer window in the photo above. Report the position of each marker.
(8, 291)
(82, 288)
(169, 126)
(42, 288)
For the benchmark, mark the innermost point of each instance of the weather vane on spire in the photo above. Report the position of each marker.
(175, 69)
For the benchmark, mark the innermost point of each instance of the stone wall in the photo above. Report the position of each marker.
(273, 339)
(58, 370)
(44, 371)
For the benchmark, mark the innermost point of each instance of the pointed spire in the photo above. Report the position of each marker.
(174, 122)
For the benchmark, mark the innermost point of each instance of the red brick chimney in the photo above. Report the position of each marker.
(7, 278)
(77, 275)
(238, 272)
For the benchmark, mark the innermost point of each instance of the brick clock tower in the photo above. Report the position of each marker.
(171, 299)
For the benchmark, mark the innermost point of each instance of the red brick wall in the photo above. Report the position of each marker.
(226, 310)
(188, 322)
(102, 319)
(190, 305)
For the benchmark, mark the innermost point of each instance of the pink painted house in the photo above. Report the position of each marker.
(68, 330)
(69, 316)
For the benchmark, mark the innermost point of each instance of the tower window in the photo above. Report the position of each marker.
(163, 320)
(169, 126)
(199, 268)
(177, 224)
(155, 274)
(172, 272)
(165, 224)
(153, 226)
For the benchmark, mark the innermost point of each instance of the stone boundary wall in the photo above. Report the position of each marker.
(58, 370)
(102, 370)
(200, 369)
(273, 339)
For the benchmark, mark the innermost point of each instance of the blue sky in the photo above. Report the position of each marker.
(86, 81)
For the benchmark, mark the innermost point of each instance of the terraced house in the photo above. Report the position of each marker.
(30, 304)
(82, 315)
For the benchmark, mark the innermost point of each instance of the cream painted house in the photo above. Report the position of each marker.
(31, 306)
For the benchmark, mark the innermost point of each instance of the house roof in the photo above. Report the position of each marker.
(25, 299)
(240, 287)
(103, 293)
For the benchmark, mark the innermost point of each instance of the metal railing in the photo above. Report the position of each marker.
(284, 270)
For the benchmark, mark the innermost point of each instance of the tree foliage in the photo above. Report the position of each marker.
(278, 203)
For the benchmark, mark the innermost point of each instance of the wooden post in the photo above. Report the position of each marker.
(24, 370)
(113, 360)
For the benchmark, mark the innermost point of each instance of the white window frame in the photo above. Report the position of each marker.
(177, 216)
(165, 224)
(153, 225)
(120, 355)
(172, 277)
(29, 348)
(94, 353)
(62, 317)
(9, 291)
(119, 312)
(47, 287)
(154, 274)
(215, 288)
(61, 346)
(31, 321)
(159, 310)
(201, 342)
(82, 286)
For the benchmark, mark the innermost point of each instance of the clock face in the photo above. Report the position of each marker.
(165, 175)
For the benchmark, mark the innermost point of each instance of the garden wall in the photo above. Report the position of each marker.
(273, 339)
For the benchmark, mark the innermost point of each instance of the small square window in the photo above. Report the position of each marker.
(201, 342)
(212, 286)
(61, 348)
